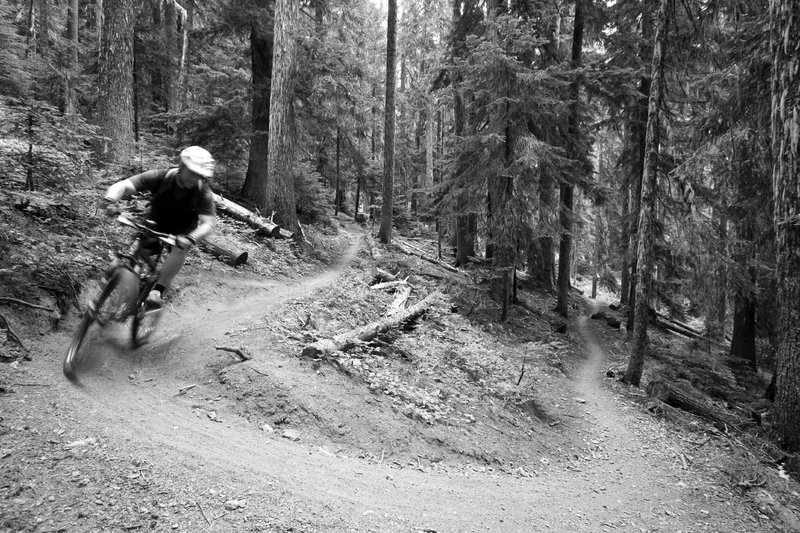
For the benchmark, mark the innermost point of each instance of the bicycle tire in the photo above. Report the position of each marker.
(144, 320)
(74, 355)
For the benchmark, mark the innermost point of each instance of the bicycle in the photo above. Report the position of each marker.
(123, 294)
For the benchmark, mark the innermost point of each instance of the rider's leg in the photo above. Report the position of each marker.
(172, 265)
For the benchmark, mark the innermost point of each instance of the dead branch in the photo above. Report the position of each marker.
(202, 512)
(26, 304)
(183, 390)
(244, 356)
(11, 333)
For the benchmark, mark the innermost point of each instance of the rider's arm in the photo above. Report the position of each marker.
(120, 190)
(204, 227)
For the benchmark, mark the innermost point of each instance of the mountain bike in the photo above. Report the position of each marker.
(122, 294)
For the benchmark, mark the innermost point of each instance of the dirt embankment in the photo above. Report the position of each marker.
(453, 424)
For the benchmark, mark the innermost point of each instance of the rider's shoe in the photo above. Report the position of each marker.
(154, 300)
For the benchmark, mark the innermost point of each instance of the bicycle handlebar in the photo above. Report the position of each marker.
(166, 238)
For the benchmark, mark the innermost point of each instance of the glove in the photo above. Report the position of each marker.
(184, 242)
(110, 207)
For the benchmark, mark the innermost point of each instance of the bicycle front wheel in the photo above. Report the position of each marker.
(96, 314)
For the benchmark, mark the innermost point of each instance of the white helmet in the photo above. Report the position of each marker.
(198, 160)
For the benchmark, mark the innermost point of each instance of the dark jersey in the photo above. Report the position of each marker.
(174, 210)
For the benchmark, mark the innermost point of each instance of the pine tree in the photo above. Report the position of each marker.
(115, 80)
(385, 232)
(785, 30)
(282, 126)
(646, 230)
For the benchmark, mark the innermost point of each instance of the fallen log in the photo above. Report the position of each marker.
(692, 334)
(224, 251)
(413, 250)
(687, 327)
(399, 302)
(382, 276)
(346, 340)
(263, 225)
(683, 395)
(389, 285)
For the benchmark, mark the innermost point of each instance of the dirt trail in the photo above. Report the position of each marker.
(621, 474)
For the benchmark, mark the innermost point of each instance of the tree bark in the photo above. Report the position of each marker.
(743, 343)
(70, 94)
(568, 189)
(115, 81)
(385, 232)
(625, 276)
(785, 30)
(282, 127)
(645, 260)
(638, 142)
(261, 55)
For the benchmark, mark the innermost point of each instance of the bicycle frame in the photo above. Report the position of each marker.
(131, 277)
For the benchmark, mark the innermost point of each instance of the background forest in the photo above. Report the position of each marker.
(635, 142)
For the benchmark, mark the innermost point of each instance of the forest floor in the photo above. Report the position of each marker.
(454, 423)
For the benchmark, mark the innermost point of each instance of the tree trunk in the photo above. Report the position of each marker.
(465, 238)
(43, 28)
(715, 304)
(169, 68)
(70, 94)
(385, 232)
(785, 28)
(188, 24)
(115, 81)
(568, 189)
(625, 276)
(638, 142)
(743, 343)
(546, 273)
(282, 127)
(645, 260)
(261, 55)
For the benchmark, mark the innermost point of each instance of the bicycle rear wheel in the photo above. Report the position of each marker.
(97, 313)
(145, 320)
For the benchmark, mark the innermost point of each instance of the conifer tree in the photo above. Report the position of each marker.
(115, 80)
(785, 36)
(385, 232)
(282, 125)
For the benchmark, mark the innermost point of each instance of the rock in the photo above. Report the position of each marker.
(232, 505)
(291, 434)
(266, 428)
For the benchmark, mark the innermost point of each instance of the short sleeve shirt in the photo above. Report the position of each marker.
(173, 209)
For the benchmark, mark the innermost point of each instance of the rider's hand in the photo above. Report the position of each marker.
(184, 242)
(110, 207)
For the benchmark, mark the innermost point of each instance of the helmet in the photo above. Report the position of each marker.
(198, 160)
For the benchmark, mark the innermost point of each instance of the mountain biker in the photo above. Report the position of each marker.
(181, 204)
